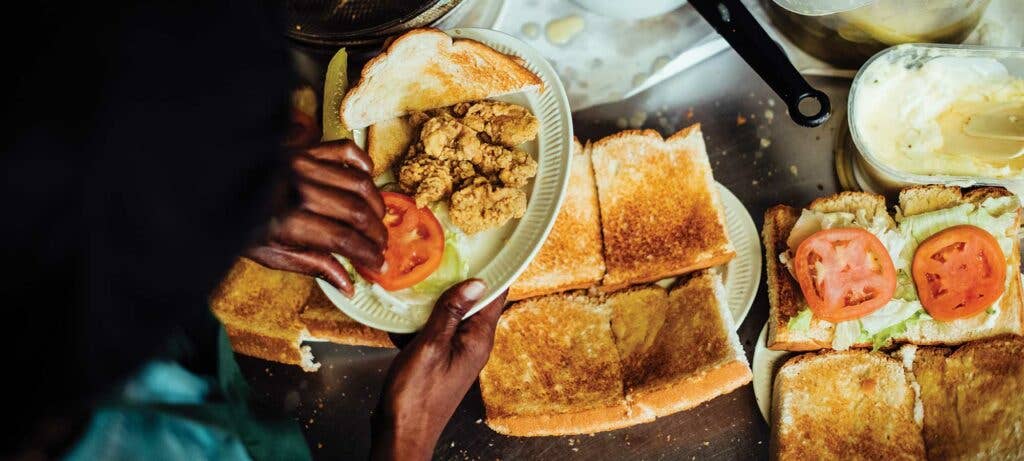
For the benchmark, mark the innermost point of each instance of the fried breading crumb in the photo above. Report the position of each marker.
(481, 205)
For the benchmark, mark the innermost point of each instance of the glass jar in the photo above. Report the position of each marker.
(848, 38)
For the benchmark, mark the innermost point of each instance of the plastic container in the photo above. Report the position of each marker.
(872, 172)
(847, 33)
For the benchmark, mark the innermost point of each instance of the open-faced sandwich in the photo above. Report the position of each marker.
(945, 269)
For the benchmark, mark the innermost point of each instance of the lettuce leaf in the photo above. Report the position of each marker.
(800, 322)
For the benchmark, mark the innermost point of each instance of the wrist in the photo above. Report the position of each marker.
(402, 435)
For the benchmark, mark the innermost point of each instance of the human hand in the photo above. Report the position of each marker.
(432, 373)
(338, 210)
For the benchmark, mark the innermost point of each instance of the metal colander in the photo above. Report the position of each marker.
(359, 22)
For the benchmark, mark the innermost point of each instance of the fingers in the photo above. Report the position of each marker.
(345, 207)
(342, 151)
(307, 230)
(452, 307)
(322, 265)
(348, 179)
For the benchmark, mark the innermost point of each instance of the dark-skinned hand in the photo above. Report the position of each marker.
(432, 374)
(338, 210)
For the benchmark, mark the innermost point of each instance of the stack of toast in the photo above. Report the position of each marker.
(606, 358)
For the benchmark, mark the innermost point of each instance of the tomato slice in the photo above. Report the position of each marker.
(959, 272)
(844, 274)
(415, 244)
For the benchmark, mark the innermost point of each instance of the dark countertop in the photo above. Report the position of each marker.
(765, 160)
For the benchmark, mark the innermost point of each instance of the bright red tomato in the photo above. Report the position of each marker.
(415, 244)
(844, 274)
(959, 272)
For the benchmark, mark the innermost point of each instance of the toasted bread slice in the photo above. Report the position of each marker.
(971, 398)
(268, 314)
(844, 405)
(388, 141)
(571, 256)
(786, 299)
(425, 69)
(554, 370)
(660, 211)
(685, 353)
(325, 322)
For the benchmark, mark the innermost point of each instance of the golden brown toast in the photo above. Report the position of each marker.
(847, 405)
(660, 211)
(575, 364)
(388, 141)
(971, 398)
(695, 354)
(571, 256)
(268, 313)
(786, 299)
(425, 69)
(554, 370)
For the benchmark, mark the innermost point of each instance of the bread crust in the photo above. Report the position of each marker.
(694, 390)
(786, 299)
(452, 71)
(581, 422)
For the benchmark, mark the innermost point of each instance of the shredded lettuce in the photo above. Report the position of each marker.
(905, 289)
(801, 322)
(846, 334)
(883, 338)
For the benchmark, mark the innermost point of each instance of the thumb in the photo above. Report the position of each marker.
(451, 307)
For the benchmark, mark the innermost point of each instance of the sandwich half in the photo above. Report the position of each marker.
(970, 398)
(426, 69)
(576, 364)
(844, 405)
(268, 314)
(660, 211)
(571, 256)
(923, 212)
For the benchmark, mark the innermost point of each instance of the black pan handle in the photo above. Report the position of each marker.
(734, 22)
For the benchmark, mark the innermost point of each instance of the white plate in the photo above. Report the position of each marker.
(742, 275)
(552, 149)
(766, 362)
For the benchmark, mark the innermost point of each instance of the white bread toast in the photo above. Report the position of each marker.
(786, 299)
(571, 256)
(425, 69)
(970, 398)
(660, 378)
(575, 364)
(660, 211)
(268, 314)
(847, 405)
(388, 141)
(554, 370)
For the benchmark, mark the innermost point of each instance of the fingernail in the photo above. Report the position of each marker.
(474, 289)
